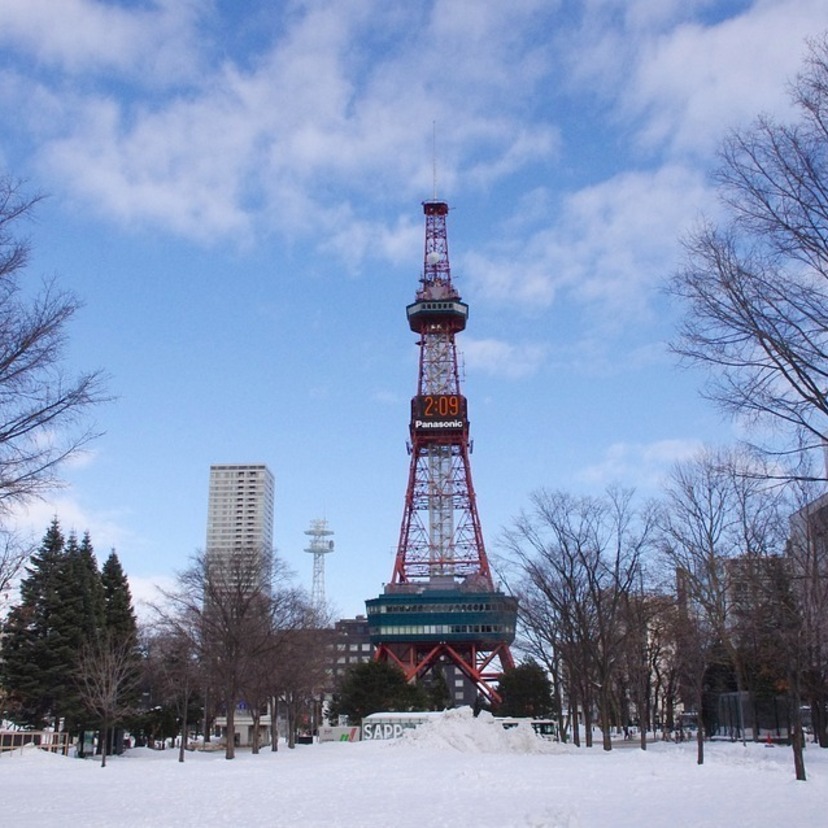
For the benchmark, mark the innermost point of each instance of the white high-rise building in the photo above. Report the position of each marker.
(240, 514)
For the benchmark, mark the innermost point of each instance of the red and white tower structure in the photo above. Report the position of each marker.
(441, 606)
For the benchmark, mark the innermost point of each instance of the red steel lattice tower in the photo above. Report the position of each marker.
(441, 605)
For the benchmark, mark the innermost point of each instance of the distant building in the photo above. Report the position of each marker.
(240, 517)
(808, 560)
(808, 540)
(240, 549)
(351, 646)
(240, 507)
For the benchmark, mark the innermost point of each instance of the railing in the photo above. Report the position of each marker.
(11, 740)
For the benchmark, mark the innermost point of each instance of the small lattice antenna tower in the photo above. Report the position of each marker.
(319, 547)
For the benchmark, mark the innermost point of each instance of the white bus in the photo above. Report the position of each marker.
(545, 728)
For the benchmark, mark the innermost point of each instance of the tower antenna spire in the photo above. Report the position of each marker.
(434, 160)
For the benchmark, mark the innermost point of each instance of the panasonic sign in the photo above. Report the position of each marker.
(437, 424)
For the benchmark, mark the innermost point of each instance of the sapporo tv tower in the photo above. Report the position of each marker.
(441, 606)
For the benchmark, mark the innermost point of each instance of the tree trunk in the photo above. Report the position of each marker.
(797, 736)
(818, 707)
(798, 753)
(291, 723)
(606, 726)
(700, 730)
(104, 740)
(230, 740)
(274, 724)
(669, 716)
(739, 696)
(644, 715)
(183, 735)
(206, 724)
(588, 720)
(558, 701)
(254, 745)
(573, 717)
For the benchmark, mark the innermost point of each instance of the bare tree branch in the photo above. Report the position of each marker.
(106, 675)
(755, 289)
(41, 409)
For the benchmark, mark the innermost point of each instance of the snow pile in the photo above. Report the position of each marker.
(458, 729)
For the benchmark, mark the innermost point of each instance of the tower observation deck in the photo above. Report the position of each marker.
(441, 605)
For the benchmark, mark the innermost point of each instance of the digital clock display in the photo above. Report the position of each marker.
(439, 412)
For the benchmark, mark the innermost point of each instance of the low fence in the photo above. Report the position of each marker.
(743, 715)
(11, 740)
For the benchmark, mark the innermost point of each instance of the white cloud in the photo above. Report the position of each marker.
(643, 466)
(147, 593)
(594, 354)
(611, 245)
(338, 103)
(173, 167)
(502, 359)
(626, 231)
(85, 35)
(697, 82)
(646, 15)
(278, 139)
(355, 240)
(106, 529)
(680, 85)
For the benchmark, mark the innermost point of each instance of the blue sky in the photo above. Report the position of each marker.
(234, 193)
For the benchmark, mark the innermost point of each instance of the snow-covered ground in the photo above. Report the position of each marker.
(458, 771)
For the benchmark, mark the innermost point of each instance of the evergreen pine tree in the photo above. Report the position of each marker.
(119, 615)
(122, 631)
(61, 611)
(31, 670)
(81, 620)
(67, 609)
(91, 589)
(526, 691)
(122, 627)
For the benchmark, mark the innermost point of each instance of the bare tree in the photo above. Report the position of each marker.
(583, 555)
(40, 408)
(225, 605)
(541, 637)
(14, 552)
(301, 677)
(290, 615)
(696, 537)
(553, 608)
(177, 674)
(755, 287)
(664, 668)
(645, 620)
(107, 674)
(720, 517)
